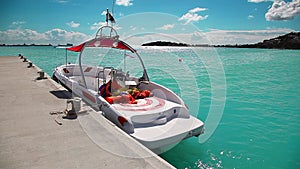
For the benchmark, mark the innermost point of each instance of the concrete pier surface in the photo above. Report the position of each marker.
(31, 138)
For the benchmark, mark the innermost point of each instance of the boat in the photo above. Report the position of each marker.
(147, 111)
(64, 46)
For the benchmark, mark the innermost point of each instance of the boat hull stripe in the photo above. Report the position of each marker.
(88, 96)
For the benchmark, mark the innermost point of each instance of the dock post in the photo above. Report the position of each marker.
(29, 65)
(42, 74)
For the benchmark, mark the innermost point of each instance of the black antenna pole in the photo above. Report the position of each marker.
(106, 16)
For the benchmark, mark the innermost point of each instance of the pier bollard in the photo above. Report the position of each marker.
(29, 65)
(42, 75)
(21, 56)
(76, 106)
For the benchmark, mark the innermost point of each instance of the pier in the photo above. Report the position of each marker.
(32, 137)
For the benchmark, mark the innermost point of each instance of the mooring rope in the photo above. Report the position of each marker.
(58, 113)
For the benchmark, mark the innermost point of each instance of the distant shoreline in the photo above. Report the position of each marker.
(288, 41)
(27, 45)
(18, 45)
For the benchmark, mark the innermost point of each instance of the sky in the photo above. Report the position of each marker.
(140, 21)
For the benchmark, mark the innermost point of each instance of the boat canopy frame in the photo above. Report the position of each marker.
(111, 41)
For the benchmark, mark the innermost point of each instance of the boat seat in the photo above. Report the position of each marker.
(66, 70)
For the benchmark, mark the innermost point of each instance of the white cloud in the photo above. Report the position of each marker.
(103, 12)
(189, 17)
(166, 27)
(250, 16)
(73, 24)
(54, 36)
(258, 1)
(197, 9)
(18, 23)
(62, 1)
(97, 25)
(282, 10)
(243, 36)
(20, 35)
(192, 15)
(124, 2)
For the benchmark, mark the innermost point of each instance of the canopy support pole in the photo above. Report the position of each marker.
(66, 57)
(124, 60)
(81, 71)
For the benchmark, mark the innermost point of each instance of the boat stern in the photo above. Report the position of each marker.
(161, 138)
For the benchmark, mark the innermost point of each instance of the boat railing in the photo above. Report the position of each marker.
(107, 32)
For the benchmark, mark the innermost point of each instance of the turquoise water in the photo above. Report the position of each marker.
(260, 120)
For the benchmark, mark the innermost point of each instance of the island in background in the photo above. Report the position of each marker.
(288, 41)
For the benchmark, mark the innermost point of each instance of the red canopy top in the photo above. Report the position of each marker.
(103, 42)
(76, 48)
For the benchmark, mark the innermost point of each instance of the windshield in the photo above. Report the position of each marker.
(110, 57)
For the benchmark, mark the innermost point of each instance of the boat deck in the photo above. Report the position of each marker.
(150, 110)
(30, 138)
